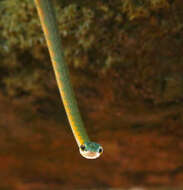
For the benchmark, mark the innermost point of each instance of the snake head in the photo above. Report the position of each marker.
(91, 150)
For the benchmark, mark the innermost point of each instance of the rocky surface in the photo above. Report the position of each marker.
(141, 148)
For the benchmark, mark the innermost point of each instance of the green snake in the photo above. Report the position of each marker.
(87, 148)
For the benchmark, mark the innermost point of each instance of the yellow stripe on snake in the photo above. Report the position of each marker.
(87, 148)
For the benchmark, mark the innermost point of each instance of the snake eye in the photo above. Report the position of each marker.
(100, 150)
(82, 147)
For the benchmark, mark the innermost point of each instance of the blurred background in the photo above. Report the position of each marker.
(126, 64)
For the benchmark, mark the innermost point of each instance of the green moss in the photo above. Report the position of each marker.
(131, 36)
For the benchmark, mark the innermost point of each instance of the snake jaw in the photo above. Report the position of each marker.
(91, 150)
(90, 155)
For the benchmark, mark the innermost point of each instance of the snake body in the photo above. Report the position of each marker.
(88, 149)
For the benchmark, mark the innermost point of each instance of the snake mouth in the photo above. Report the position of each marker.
(90, 154)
